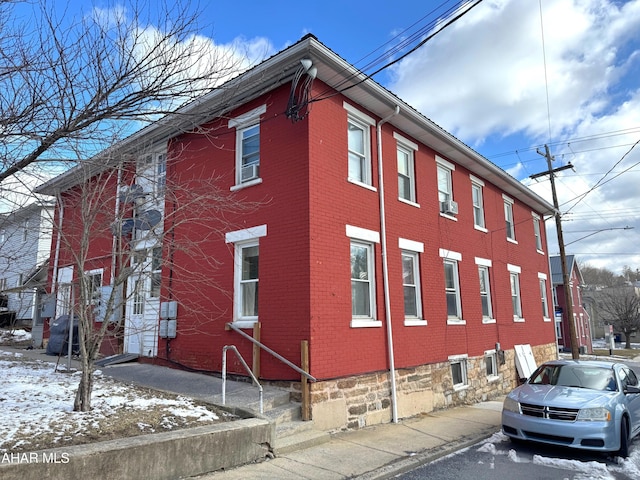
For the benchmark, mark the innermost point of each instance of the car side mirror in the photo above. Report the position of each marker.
(631, 389)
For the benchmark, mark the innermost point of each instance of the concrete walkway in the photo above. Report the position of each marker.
(380, 451)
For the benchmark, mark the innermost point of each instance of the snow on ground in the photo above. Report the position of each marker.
(14, 336)
(583, 470)
(37, 400)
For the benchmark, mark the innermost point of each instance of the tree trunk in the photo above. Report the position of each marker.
(627, 340)
(83, 394)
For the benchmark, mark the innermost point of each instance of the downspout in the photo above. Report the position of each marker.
(385, 267)
(56, 257)
(116, 239)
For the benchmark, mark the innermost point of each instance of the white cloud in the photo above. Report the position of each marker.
(487, 76)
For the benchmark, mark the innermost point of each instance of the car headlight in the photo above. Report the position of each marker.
(598, 414)
(511, 405)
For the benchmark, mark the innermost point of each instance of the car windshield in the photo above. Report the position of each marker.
(581, 376)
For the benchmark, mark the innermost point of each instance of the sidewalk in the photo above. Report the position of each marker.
(381, 451)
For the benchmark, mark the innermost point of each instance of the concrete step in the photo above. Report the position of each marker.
(291, 411)
(294, 436)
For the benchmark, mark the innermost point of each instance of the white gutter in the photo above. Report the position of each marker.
(385, 267)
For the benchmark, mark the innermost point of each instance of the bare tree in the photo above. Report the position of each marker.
(75, 85)
(91, 79)
(599, 277)
(620, 307)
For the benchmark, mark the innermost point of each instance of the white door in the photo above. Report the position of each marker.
(143, 306)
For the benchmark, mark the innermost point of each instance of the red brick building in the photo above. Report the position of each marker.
(581, 318)
(383, 241)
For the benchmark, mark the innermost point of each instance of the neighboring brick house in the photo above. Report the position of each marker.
(25, 244)
(580, 314)
(433, 267)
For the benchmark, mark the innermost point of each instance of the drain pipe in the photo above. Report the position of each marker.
(385, 268)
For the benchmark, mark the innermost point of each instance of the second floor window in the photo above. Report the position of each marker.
(478, 207)
(249, 154)
(515, 295)
(543, 296)
(359, 159)
(537, 232)
(508, 218)
(406, 176)
(247, 128)
(452, 289)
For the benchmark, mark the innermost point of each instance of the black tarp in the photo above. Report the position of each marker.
(59, 336)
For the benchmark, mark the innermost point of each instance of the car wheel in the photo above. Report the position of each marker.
(624, 439)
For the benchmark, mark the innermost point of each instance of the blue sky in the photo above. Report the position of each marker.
(506, 78)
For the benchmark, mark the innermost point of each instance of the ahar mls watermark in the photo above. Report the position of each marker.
(34, 457)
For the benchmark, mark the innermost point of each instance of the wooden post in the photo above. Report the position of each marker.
(256, 350)
(304, 384)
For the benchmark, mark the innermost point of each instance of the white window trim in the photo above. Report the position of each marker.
(240, 123)
(543, 276)
(359, 233)
(485, 262)
(537, 218)
(366, 122)
(412, 147)
(457, 258)
(517, 270)
(411, 245)
(246, 234)
(242, 238)
(419, 319)
(367, 322)
(510, 201)
(492, 354)
(476, 182)
(463, 360)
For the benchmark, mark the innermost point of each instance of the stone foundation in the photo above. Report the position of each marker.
(356, 402)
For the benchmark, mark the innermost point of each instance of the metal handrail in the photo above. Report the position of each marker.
(246, 367)
(268, 350)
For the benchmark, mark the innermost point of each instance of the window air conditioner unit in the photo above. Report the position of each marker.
(249, 172)
(449, 207)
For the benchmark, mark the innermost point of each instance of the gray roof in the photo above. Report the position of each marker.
(555, 265)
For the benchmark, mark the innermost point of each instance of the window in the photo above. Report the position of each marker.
(485, 289)
(452, 285)
(362, 280)
(248, 146)
(248, 287)
(536, 232)
(156, 274)
(359, 146)
(3, 284)
(558, 326)
(514, 275)
(459, 371)
(478, 203)
(138, 296)
(491, 363)
(363, 286)
(246, 276)
(411, 285)
(161, 173)
(406, 169)
(445, 187)
(93, 284)
(542, 278)
(508, 218)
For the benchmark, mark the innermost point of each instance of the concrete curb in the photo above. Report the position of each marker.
(161, 456)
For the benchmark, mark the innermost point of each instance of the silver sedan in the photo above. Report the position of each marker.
(580, 404)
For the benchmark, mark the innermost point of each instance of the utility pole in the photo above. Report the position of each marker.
(568, 297)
